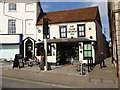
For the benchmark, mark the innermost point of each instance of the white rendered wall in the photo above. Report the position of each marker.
(21, 15)
(54, 30)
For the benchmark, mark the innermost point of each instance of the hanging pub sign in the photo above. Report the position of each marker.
(72, 30)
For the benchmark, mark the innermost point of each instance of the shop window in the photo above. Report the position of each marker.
(87, 50)
(63, 31)
(81, 30)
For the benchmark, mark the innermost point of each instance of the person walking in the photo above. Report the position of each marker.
(101, 59)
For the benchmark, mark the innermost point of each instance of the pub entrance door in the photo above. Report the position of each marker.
(29, 48)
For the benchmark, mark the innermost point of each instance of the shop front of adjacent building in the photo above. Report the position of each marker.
(9, 46)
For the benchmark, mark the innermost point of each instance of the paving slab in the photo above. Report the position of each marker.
(95, 80)
(108, 81)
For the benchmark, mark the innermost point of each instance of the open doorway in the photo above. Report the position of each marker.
(29, 48)
(67, 52)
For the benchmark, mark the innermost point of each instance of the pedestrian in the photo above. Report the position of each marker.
(101, 59)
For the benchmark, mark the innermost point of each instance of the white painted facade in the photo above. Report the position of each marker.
(26, 15)
(54, 30)
(90, 30)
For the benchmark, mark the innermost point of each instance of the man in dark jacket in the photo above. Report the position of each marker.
(101, 58)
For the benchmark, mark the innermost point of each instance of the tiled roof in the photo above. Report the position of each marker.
(72, 15)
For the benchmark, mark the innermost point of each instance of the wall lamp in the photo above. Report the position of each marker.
(79, 44)
(39, 40)
(54, 37)
(53, 46)
(91, 37)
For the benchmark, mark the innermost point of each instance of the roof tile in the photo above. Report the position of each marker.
(72, 15)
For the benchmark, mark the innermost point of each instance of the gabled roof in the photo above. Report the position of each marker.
(72, 15)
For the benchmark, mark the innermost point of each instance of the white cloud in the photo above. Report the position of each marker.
(45, 7)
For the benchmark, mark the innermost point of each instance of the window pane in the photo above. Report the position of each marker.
(85, 54)
(82, 33)
(89, 47)
(82, 28)
(62, 29)
(89, 53)
(85, 46)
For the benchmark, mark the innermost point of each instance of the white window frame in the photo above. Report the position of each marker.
(11, 26)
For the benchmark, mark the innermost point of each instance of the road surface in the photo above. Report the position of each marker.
(8, 82)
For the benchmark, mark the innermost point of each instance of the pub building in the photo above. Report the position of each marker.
(74, 34)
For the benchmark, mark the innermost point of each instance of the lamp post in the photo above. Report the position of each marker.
(45, 33)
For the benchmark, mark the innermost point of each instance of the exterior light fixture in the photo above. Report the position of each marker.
(93, 43)
(54, 37)
(91, 37)
(79, 44)
(53, 46)
(39, 40)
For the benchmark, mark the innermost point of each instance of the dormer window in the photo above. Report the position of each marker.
(12, 6)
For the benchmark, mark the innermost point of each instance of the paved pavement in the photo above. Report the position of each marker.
(67, 75)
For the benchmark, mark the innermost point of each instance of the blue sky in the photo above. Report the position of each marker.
(55, 6)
